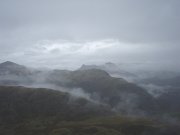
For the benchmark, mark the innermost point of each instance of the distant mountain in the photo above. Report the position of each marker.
(13, 68)
(90, 82)
(118, 93)
(170, 101)
(112, 69)
(14, 74)
(165, 81)
(81, 102)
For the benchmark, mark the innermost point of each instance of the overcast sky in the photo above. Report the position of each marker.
(68, 33)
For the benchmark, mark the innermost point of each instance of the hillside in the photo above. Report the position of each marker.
(29, 111)
(19, 103)
(111, 68)
(170, 102)
(117, 93)
(121, 95)
(14, 74)
(94, 85)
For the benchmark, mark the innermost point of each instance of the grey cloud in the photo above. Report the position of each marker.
(153, 24)
(139, 21)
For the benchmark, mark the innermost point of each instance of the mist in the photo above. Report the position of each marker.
(117, 57)
(61, 34)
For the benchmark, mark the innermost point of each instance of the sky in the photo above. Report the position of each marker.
(69, 33)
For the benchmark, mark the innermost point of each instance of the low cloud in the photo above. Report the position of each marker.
(72, 54)
(66, 34)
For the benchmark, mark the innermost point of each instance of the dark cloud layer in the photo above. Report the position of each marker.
(89, 31)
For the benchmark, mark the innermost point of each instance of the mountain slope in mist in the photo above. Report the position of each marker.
(31, 111)
(112, 69)
(116, 92)
(100, 87)
(173, 81)
(170, 102)
(12, 68)
(93, 84)
(14, 74)
(19, 103)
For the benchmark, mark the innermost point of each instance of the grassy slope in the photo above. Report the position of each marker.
(25, 111)
(95, 126)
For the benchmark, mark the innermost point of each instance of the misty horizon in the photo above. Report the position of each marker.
(67, 34)
(89, 67)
